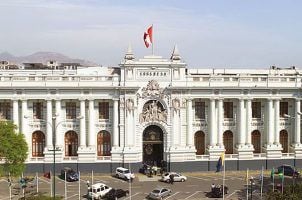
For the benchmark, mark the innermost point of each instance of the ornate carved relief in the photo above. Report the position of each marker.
(176, 104)
(130, 104)
(153, 111)
(152, 89)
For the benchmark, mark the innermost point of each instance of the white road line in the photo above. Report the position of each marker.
(232, 194)
(198, 178)
(192, 185)
(72, 196)
(192, 194)
(132, 195)
(45, 181)
(172, 195)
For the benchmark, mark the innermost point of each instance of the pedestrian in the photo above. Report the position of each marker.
(171, 178)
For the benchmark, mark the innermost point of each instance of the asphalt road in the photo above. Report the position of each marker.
(196, 187)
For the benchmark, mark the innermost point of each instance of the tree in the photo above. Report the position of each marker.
(13, 149)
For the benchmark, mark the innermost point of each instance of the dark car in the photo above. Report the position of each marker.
(217, 191)
(288, 171)
(71, 175)
(116, 193)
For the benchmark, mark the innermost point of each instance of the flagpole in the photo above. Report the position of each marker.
(79, 185)
(247, 183)
(261, 189)
(65, 186)
(152, 41)
(223, 179)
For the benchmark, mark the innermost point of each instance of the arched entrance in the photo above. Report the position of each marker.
(284, 141)
(38, 144)
(71, 143)
(153, 145)
(104, 143)
(199, 143)
(256, 141)
(228, 142)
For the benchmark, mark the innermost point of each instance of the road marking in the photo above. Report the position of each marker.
(72, 196)
(232, 193)
(45, 181)
(192, 185)
(198, 178)
(172, 195)
(192, 194)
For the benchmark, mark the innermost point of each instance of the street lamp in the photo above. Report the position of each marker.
(54, 130)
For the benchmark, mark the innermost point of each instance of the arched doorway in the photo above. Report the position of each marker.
(256, 141)
(104, 143)
(228, 142)
(38, 144)
(71, 143)
(153, 146)
(199, 143)
(284, 141)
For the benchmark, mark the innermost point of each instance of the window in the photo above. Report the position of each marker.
(104, 143)
(283, 108)
(228, 109)
(71, 143)
(38, 144)
(5, 110)
(256, 109)
(200, 110)
(103, 110)
(71, 109)
(37, 110)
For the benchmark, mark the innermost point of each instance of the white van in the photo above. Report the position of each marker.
(124, 173)
(98, 190)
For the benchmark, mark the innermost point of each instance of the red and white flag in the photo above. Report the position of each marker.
(148, 36)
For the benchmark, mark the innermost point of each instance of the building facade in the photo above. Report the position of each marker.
(156, 111)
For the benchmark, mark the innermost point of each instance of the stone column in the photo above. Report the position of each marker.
(270, 122)
(240, 122)
(115, 123)
(82, 124)
(16, 113)
(277, 114)
(297, 122)
(49, 123)
(91, 134)
(248, 121)
(220, 122)
(58, 131)
(189, 123)
(212, 123)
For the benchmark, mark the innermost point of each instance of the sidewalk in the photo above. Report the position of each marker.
(145, 178)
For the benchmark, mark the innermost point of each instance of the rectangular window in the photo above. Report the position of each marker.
(5, 110)
(283, 108)
(103, 110)
(71, 110)
(38, 110)
(256, 109)
(228, 109)
(200, 110)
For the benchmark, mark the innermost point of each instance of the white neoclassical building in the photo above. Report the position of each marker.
(155, 110)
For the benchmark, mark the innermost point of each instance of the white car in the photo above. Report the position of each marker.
(124, 173)
(98, 191)
(177, 177)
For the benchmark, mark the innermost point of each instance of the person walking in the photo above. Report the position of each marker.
(171, 178)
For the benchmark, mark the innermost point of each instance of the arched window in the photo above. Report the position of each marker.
(199, 143)
(228, 142)
(256, 141)
(104, 143)
(284, 141)
(71, 143)
(38, 144)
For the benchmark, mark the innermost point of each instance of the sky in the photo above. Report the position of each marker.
(208, 33)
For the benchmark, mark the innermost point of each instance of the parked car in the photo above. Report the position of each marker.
(71, 175)
(124, 173)
(288, 170)
(98, 191)
(177, 177)
(159, 193)
(116, 193)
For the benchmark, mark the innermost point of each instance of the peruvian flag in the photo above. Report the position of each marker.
(148, 36)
